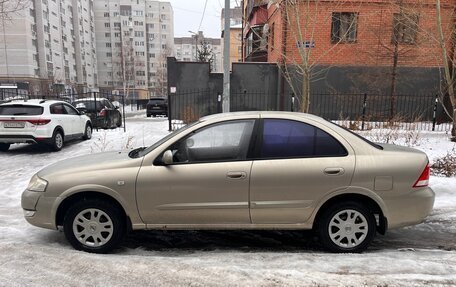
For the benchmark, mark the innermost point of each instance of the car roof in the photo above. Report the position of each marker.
(34, 102)
(261, 114)
(91, 99)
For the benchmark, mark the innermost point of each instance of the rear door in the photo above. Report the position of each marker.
(60, 116)
(297, 164)
(77, 123)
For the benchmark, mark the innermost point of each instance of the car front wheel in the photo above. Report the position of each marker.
(94, 226)
(347, 227)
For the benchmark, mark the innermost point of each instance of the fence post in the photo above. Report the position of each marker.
(364, 111)
(434, 113)
(219, 103)
(292, 102)
(170, 118)
(96, 110)
(123, 112)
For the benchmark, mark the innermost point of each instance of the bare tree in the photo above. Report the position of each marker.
(204, 53)
(447, 46)
(302, 18)
(161, 75)
(10, 8)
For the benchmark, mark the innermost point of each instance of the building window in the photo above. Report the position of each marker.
(117, 24)
(139, 34)
(138, 13)
(108, 45)
(106, 14)
(164, 27)
(107, 35)
(107, 25)
(344, 27)
(405, 27)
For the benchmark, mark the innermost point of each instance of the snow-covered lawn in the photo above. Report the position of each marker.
(29, 256)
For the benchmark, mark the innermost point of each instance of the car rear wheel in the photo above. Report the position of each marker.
(87, 132)
(4, 146)
(347, 227)
(57, 141)
(94, 226)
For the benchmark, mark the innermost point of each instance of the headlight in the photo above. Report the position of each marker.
(37, 184)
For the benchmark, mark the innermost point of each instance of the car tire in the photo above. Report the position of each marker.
(87, 132)
(148, 115)
(94, 226)
(57, 140)
(4, 146)
(119, 122)
(347, 227)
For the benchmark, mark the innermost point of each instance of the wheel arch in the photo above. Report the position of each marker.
(369, 202)
(88, 195)
(60, 129)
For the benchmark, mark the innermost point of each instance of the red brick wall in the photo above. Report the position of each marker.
(373, 45)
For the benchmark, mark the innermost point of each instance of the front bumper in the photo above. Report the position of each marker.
(39, 210)
(411, 208)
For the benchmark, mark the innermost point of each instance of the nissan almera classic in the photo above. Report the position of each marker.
(248, 170)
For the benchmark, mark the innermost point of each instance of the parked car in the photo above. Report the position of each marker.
(101, 111)
(250, 170)
(40, 121)
(157, 106)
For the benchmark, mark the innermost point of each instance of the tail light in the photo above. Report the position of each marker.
(102, 113)
(423, 180)
(39, 122)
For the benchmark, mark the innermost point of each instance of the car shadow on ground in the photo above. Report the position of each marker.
(209, 240)
(16, 149)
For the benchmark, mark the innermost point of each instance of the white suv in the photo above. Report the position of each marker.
(41, 121)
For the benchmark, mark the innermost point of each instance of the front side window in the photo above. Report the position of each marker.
(221, 142)
(288, 139)
(71, 110)
(344, 27)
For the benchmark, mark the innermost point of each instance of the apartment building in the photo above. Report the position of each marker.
(133, 40)
(235, 34)
(185, 49)
(49, 46)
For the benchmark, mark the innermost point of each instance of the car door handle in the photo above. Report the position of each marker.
(334, 171)
(236, 175)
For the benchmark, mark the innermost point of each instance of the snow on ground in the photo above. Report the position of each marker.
(29, 256)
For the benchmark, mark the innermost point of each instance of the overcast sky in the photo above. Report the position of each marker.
(188, 15)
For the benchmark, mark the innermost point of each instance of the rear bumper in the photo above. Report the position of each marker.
(11, 139)
(411, 208)
(157, 112)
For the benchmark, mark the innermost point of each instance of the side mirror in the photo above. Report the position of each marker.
(167, 157)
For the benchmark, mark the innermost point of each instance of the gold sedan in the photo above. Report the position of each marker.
(248, 170)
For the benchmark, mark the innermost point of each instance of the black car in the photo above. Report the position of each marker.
(157, 106)
(101, 111)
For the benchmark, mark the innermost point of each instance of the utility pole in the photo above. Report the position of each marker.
(226, 59)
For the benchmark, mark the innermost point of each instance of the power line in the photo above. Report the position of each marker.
(202, 17)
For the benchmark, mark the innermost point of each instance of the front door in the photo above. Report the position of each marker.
(208, 182)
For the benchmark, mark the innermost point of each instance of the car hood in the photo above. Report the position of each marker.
(85, 163)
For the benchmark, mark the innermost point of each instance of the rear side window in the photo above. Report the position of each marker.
(20, 110)
(285, 138)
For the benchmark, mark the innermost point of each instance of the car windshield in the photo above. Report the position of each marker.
(20, 110)
(156, 101)
(88, 104)
(159, 142)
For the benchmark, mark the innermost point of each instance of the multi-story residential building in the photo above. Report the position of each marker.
(134, 38)
(235, 34)
(185, 49)
(50, 45)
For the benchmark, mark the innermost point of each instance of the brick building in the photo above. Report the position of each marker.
(352, 38)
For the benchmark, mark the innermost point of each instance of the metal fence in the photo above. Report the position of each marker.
(423, 112)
